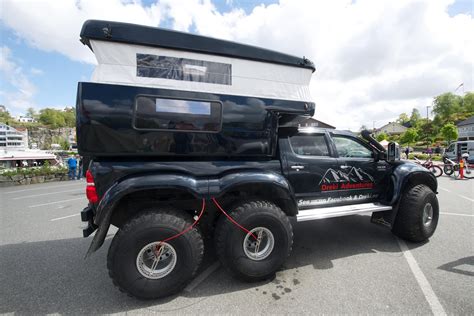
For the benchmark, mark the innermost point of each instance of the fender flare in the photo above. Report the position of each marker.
(120, 189)
(274, 182)
(411, 172)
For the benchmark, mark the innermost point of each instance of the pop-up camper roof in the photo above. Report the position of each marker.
(129, 54)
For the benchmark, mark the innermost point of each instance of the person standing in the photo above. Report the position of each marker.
(407, 151)
(72, 164)
(79, 167)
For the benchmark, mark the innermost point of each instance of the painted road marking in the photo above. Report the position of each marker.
(456, 214)
(425, 286)
(45, 188)
(465, 197)
(35, 195)
(460, 195)
(64, 217)
(203, 276)
(44, 204)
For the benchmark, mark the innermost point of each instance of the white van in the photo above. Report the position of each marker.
(461, 147)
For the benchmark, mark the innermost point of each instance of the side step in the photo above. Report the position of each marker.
(344, 210)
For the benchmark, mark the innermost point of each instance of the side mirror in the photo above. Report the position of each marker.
(393, 152)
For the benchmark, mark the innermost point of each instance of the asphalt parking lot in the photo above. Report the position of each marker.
(342, 265)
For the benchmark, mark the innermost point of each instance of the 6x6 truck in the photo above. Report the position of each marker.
(190, 137)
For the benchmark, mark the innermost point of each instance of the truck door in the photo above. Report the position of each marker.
(308, 157)
(361, 178)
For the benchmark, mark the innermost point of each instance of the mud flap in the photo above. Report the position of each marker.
(383, 218)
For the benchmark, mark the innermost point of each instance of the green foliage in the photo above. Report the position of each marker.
(415, 117)
(381, 137)
(468, 102)
(424, 157)
(34, 171)
(57, 118)
(449, 132)
(403, 118)
(409, 136)
(5, 117)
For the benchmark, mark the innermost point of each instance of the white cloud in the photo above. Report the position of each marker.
(374, 59)
(36, 71)
(21, 96)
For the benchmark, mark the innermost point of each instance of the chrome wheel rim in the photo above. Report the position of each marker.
(156, 260)
(427, 214)
(260, 248)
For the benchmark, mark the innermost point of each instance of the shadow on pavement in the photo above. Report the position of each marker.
(456, 266)
(53, 277)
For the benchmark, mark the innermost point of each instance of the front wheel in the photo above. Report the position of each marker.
(255, 255)
(448, 169)
(436, 170)
(143, 266)
(417, 215)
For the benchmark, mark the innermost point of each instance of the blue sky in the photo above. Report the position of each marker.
(52, 76)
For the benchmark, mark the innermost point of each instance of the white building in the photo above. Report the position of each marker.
(12, 139)
(392, 128)
(466, 129)
(25, 119)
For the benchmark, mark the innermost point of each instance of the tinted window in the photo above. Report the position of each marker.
(309, 145)
(174, 114)
(347, 147)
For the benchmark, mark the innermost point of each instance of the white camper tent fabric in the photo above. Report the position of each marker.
(117, 64)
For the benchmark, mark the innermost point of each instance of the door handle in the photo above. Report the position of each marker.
(297, 167)
(345, 167)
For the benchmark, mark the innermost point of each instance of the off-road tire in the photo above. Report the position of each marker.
(147, 227)
(409, 223)
(229, 240)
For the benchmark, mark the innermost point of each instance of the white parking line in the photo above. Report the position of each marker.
(35, 195)
(44, 204)
(425, 286)
(64, 217)
(203, 276)
(460, 195)
(465, 197)
(45, 188)
(456, 214)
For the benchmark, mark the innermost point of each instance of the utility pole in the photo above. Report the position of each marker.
(427, 116)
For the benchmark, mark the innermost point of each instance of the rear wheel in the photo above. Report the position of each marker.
(417, 215)
(448, 169)
(257, 255)
(143, 266)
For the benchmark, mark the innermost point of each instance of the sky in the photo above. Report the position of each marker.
(374, 58)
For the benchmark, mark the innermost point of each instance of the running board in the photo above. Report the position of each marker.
(336, 211)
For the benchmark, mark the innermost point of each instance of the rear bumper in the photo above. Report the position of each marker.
(87, 215)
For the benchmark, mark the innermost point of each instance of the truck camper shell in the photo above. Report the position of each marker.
(159, 92)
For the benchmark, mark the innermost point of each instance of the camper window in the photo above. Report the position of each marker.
(167, 67)
(152, 113)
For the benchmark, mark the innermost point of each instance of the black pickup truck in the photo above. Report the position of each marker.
(172, 165)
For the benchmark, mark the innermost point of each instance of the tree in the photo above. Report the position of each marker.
(449, 132)
(409, 136)
(5, 117)
(31, 112)
(415, 117)
(447, 104)
(468, 103)
(403, 118)
(381, 137)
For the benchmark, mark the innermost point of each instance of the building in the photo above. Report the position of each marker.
(392, 128)
(25, 119)
(311, 122)
(466, 129)
(12, 139)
